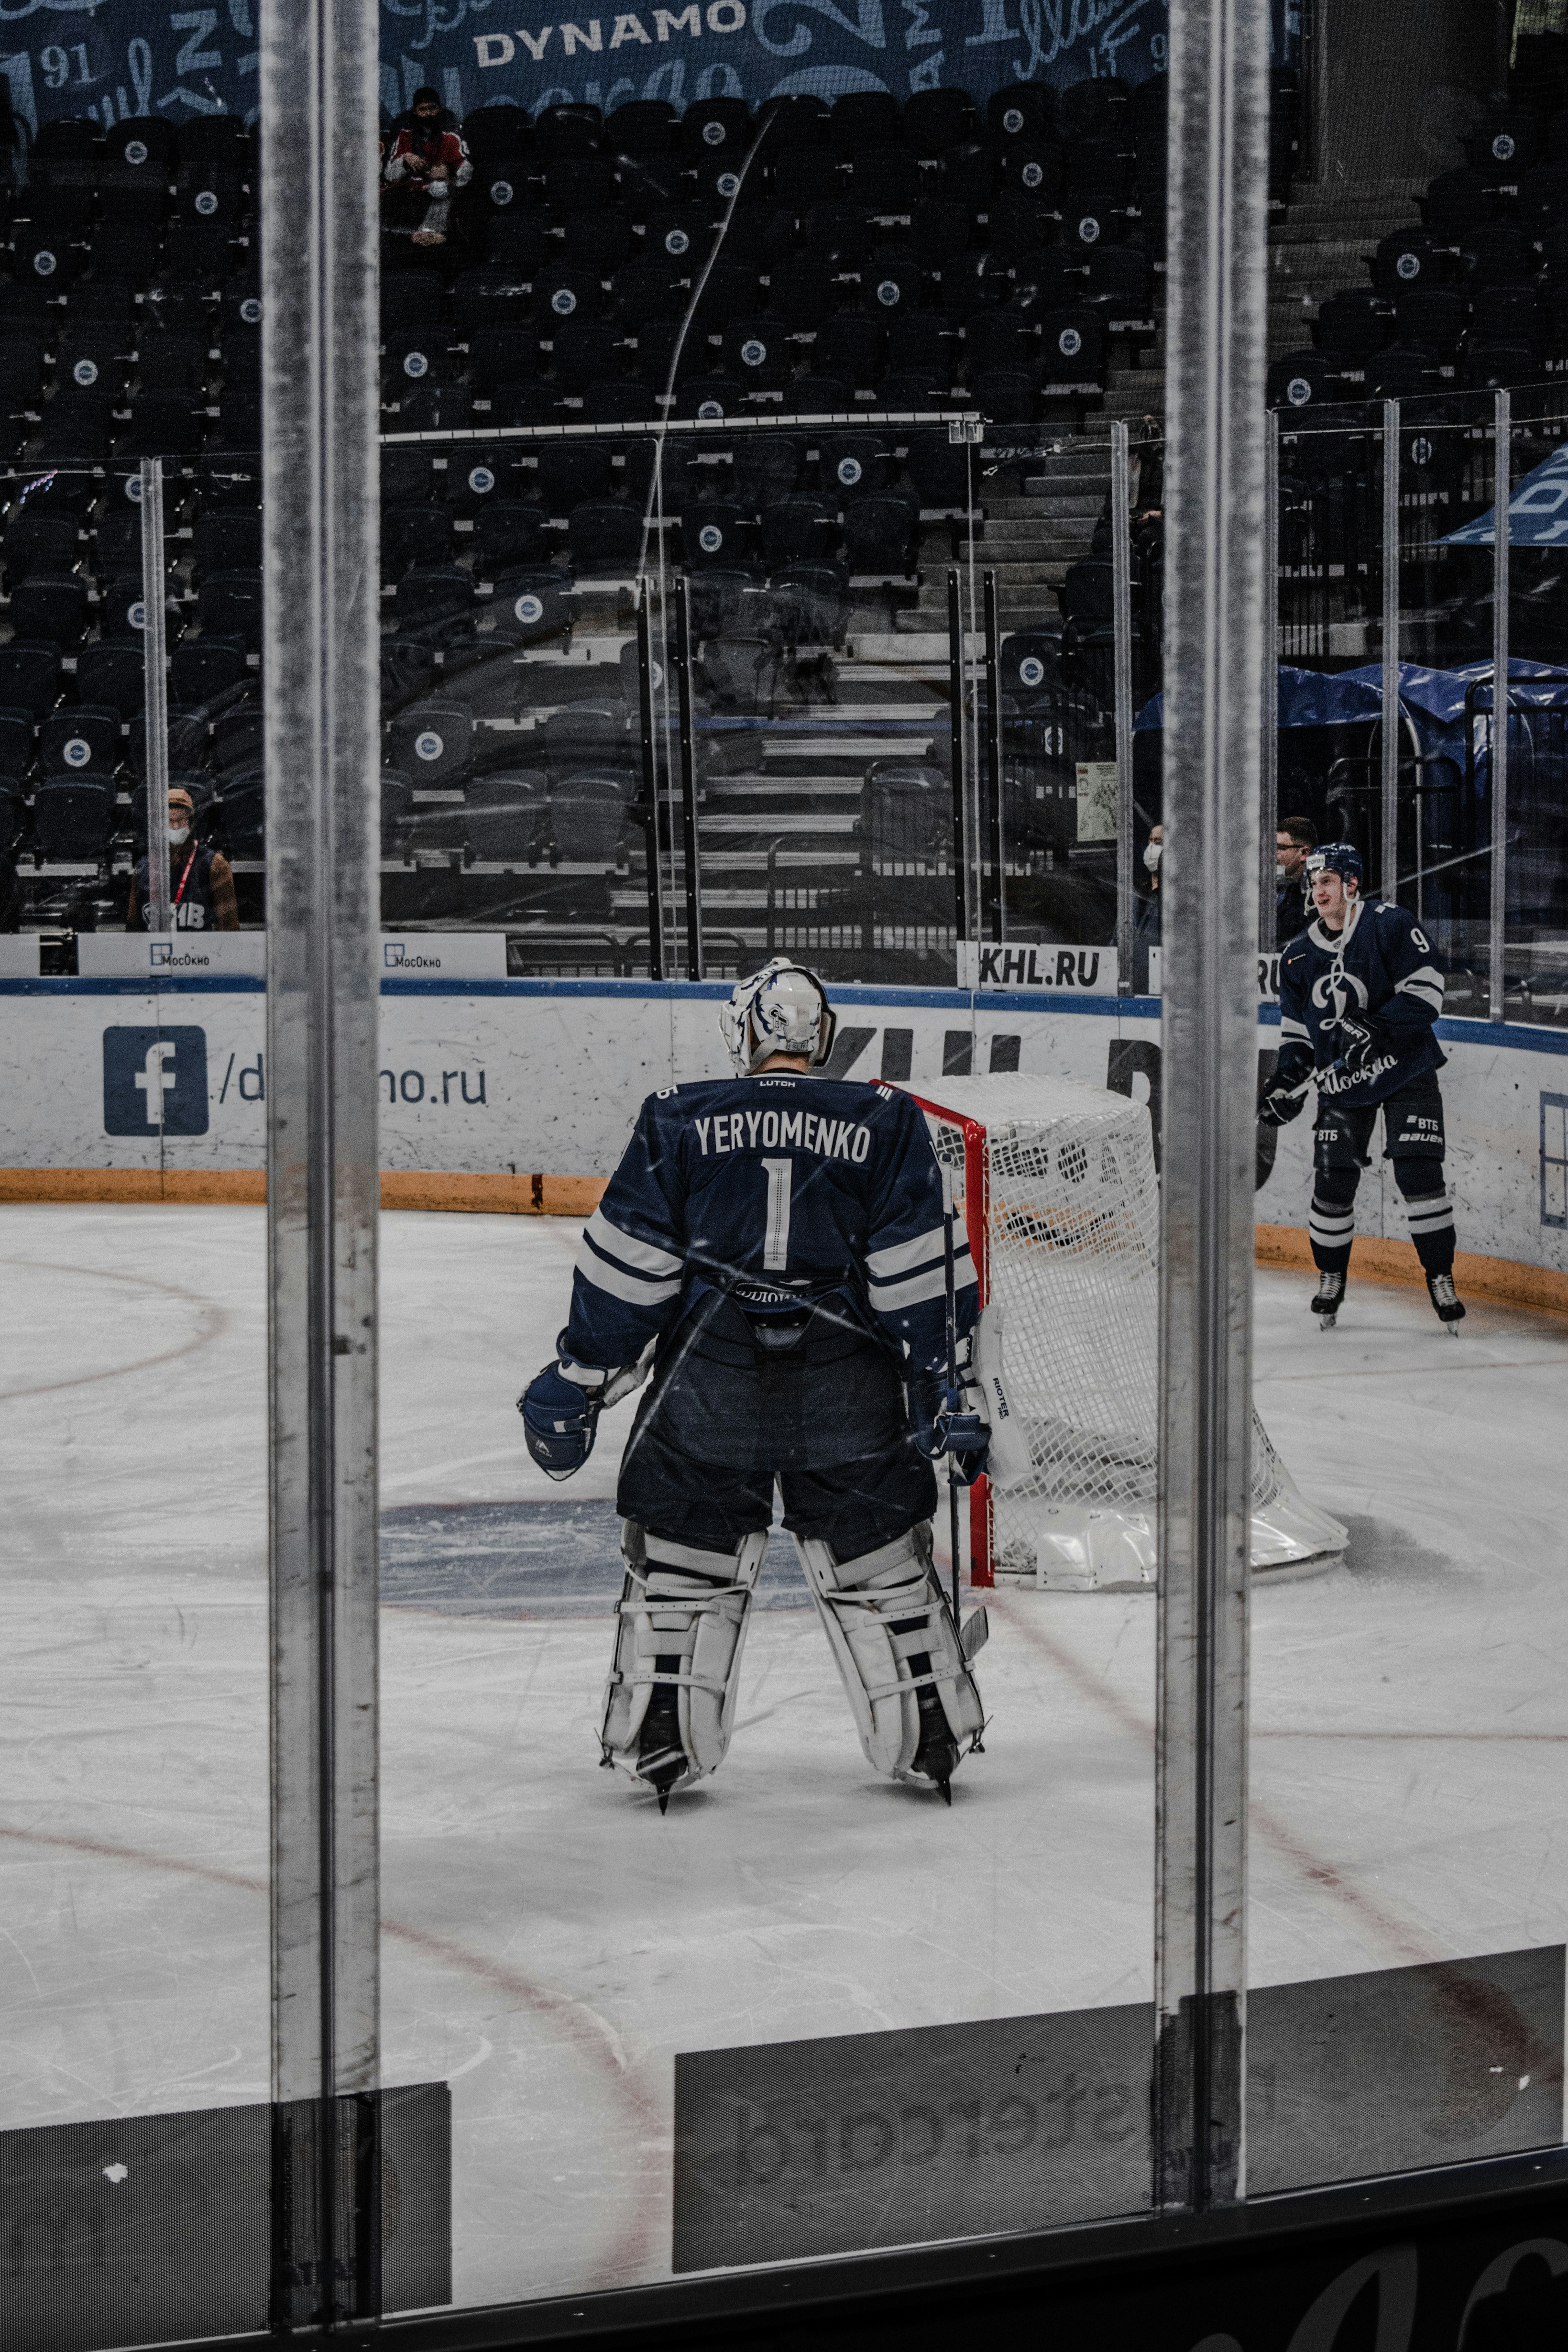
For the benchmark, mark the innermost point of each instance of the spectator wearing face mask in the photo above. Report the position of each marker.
(201, 879)
(1146, 931)
(429, 159)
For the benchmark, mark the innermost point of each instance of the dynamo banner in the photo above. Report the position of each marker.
(1537, 512)
(116, 58)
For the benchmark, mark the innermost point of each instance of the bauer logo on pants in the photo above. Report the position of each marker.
(155, 1081)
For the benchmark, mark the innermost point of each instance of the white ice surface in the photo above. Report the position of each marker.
(549, 1944)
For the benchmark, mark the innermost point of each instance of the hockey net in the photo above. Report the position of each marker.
(1060, 1200)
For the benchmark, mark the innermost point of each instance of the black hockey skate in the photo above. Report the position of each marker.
(660, 1759)
(1330, 1299)
(936, 1757)
(1450, 1306)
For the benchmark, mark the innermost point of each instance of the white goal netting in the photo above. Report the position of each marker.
(1069, 1256)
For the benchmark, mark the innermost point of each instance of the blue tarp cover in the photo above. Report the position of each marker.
(1537, 512)
(1314, 697)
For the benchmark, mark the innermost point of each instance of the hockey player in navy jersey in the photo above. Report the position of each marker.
(1360, 991)
(773, 1249)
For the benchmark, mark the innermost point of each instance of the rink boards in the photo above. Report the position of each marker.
(493, 1092)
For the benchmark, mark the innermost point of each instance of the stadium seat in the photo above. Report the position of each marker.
(583, 351)
(172, 362)
(598, 239)
(432, 592)
(1432, 319)
(55, 609)
(414, 534)
(1455, 203)
(1119, 280)
(568, 128)
(766, 465)
(19, 741)
(1498, 255)
(507, 534)
(145, 144)
(939, 469)
(410, 298)
(1072, 349)
(1502, 146)
(71, 741)
(1352, 326)
(163, 424)
(850, 349)
(998, 339)
(758, 349)
(111, 670)
(1407, 258)
(884, 183)
(804, 177)
(533, 601)
(72, 818)
(798, 529)
(508, 808)
(605, 536)
(230, 604)
(569, 472)
(477, 476)
(681, 233)
(880, 535)
(431, 741)
(937, 120)
(1019, 111)
(1506, 314)
(588, 812)
(1095, 107)
(715, 532)
(220, 140)
(1300, 379)
(41, 542)
(1005, 394)
(200, 668)
(939, 229)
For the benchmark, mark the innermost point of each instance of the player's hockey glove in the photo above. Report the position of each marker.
(1363, 1039)
(561, 1419)
(948, 1421)
(1280, 1105)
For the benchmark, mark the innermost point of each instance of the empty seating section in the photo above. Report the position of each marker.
(708, 267)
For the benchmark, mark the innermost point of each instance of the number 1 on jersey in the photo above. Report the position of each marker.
(776, 1248)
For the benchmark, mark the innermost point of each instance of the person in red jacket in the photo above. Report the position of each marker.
(428, 159)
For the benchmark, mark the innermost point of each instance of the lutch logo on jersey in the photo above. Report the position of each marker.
(749, 1130)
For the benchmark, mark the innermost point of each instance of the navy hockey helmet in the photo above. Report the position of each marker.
(1341, 857)
(782, 1009)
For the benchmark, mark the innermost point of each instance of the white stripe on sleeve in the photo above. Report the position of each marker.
(888, 1297)
(902, 1257)
(644, 1257)
(634, 1289)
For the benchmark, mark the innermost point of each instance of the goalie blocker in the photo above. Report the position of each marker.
(774, 1247)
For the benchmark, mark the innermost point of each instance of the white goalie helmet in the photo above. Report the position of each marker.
(782, 1009)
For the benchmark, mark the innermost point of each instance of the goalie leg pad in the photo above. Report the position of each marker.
(669, 1703)
(893, 1639)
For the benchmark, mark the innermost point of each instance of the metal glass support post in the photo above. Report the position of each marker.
(155, 694)
(1122, 620)
(1502, 493)
(320, 526)
(1269, 780)
(955, 654)
(690, 847)
(996, 885)
(650, 783)
(1214, 606)
(1389, 796)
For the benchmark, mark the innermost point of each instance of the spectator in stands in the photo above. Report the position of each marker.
(1296, 837)
(201, 879)
(1146, 931)
(428, 159)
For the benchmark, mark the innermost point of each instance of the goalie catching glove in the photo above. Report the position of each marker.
(950, 1421)
(560, 1409)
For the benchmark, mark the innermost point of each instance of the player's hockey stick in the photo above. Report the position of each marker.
(952, 1316)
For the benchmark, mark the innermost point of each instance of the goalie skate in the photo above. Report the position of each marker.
(669, 1705)
(904, 1668)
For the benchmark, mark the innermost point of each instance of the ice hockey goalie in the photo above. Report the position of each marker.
(772, 1255)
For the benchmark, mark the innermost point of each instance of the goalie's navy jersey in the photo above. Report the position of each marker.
(1386, 970)
(777, 1189)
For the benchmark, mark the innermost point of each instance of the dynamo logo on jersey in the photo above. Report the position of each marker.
(1336, 992)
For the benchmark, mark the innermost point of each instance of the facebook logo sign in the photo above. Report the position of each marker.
(155, 1080)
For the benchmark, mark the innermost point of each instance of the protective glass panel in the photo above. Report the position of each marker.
(1405, 1921)
(1535, 897)
(751, 689)
(134, 2115)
